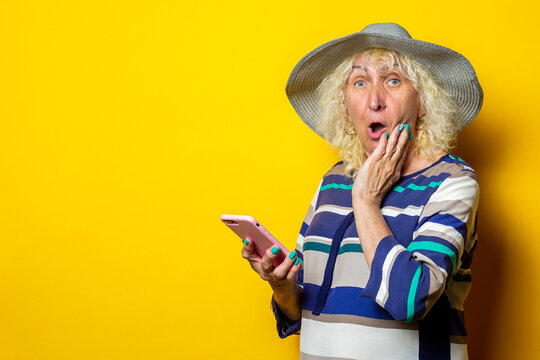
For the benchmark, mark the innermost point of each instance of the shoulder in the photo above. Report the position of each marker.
(443, 180)
(337, 169)
(335, 187)
(460, 167)
(450, 167)
(336, 175)
(460, 180)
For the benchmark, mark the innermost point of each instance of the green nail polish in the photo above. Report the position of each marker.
(407, 127)
(302, 262)
(275, 250)
(246, 242)
(400, 127)
(292, 255)
(386, 135)
(296, 261)
(410, 137)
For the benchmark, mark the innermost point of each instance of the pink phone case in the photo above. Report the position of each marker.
(246, 226)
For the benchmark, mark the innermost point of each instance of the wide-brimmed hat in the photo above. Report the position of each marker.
(451, 70)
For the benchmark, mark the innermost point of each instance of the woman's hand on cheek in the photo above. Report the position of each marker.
(382, 168)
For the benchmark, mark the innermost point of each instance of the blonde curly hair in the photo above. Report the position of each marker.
(435, 132)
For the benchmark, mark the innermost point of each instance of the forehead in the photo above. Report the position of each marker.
(380, 64)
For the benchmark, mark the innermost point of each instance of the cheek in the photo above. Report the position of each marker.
(354, 107)
(412, 108)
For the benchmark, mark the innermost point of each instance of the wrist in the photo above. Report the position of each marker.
(290, 304)
(284, 295)
(361, 204)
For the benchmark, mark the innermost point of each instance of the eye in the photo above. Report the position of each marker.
(360, 83)
(394, 82)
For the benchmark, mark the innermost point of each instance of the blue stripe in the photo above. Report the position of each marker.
(303, 229)
(345, 300)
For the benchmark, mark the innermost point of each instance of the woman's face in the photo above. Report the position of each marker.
(379, 99)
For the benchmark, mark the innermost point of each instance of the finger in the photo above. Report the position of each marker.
(282, 269)
(293, 272)
(393, 140)
(402, 144)
(248, 250)
(380, 150)
(402, 160)
(267, 262)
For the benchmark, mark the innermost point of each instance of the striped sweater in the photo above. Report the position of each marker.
(410, 304)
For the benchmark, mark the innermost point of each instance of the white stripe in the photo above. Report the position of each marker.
(409, 210)
(463, 188)
(359, 342)
(333, 209)
(458, 351)
(321, 239)
(382, 294)
(445, 229)
(350, 240)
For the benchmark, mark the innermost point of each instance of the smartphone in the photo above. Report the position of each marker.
(246, 226)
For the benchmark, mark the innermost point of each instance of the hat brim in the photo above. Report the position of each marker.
(451, 70)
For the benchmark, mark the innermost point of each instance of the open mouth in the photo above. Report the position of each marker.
(376, 129)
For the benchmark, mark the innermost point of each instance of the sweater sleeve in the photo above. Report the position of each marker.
(285, 329)
(407, 281)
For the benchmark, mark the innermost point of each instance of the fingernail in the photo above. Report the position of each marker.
(302, 262)
(246, 242)
(400, 127)
(407, 127)
(292, 255)
(386, 135)
(275, 250)
(296, 261)
(410, 137)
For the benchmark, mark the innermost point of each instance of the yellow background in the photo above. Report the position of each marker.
(127, 128)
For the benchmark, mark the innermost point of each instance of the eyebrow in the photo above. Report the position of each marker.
(384, 71)
(359, 67)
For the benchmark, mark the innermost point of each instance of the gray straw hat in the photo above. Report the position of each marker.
(451, 70)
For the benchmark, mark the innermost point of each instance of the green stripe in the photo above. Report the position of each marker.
(412, 294)
(346, 248)
(315, 246)
(351, 248)
(433, 246)
(432, 184)
(455, 158)
(336, 186)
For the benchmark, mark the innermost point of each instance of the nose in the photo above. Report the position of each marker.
(376, 98)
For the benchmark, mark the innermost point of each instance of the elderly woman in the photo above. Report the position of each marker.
(382, 264)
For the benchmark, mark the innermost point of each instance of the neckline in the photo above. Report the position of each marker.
(426, 168)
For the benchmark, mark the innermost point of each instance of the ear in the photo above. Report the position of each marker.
(421, 111)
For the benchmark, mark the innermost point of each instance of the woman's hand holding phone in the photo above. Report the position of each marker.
(281, 278)
(272, 261)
